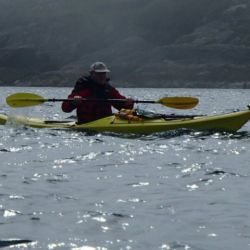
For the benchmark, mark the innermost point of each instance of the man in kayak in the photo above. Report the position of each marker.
(95, 86)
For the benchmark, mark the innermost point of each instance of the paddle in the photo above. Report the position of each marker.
(20, 100)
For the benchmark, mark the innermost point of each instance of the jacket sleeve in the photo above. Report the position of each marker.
(119, 105)
(68, 106)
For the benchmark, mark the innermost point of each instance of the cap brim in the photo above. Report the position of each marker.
(101, 70)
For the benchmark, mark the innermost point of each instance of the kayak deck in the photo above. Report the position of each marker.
(230, 122)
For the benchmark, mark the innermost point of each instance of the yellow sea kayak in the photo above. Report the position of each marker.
(230, 122)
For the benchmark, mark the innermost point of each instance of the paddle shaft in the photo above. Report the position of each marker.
(94, 100)
(119, 100)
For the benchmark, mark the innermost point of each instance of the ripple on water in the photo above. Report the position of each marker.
(17, 243)
(175, 245)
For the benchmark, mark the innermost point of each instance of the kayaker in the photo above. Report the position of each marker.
(95, 85)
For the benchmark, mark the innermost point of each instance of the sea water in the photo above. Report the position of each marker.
(62, 189)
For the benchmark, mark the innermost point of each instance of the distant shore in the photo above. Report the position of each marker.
(125, 84)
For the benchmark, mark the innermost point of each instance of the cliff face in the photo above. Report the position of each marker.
(197, 43)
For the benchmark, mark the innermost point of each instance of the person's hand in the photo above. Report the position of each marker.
(77, 100)
(130, 102)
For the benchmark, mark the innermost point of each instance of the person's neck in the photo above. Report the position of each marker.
(99, 84)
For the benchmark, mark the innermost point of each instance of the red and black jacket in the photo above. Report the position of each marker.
(93, 110)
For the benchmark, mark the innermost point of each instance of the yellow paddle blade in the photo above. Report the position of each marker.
(20, 100)
(179, 102)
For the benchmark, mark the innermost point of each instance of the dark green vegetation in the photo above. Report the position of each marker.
(160, 43)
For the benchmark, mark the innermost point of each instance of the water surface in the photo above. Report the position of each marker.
(63, 189)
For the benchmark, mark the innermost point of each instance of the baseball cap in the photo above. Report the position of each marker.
(99, 67)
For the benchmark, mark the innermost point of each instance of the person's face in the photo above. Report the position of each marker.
(99, 77)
